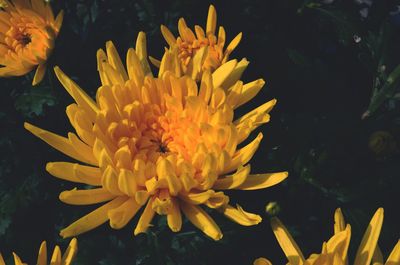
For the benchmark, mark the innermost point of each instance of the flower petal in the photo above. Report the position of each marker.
(174, 217)
(42, 256)
(75, 173)
(70, 253)
(92, 220)
(232, 181)
(121, 215)
(80, 96)
(262, 261)
(145, 218)
(240, 216)
(39, 74)
(394, 257)
(201, 220)
(262, 181)
(340, 224)
(368, 244)
(287, 243)
(85, 197)
(60, 143)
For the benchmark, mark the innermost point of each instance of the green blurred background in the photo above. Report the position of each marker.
(332, 65)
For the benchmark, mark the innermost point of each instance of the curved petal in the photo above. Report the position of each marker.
(368, 244)
(85, 197)
(262, 181)
(92, 220)
(70, 253)
(287, 243)
(240, 216)
(199, 218)
(39, 74)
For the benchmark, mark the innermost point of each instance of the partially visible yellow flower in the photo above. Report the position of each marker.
(203, 49)
(28, 30)
(335, 251)
(56, 259)
(166, 144)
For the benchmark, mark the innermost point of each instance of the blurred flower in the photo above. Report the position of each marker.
(335, 251)
(203, 49)
(160, 142)
(272, 208)
(56, 258)
(28, 30)
(382, 143)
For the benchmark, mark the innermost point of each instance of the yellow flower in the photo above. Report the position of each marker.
(335, 251)
(164, 143)
(202, 46)
(56, 259)
(28, 30)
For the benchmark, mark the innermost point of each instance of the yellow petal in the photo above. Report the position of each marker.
(287, 243)
(394, 257)
(236, 73)
(262, 261)
(60, 143)
(86, 197)
(168, 36)
(70, 253)
(92, 220)
(232, 181)
(243, 155)
(42, 256)
(174, 218)
(17, 260)
(141, 51)
(145, 218)
(223, 72)
(262, 181)
(78, 94)
(2, 262)
(249, 91)
(39, 74)
(211, 20)
(370, 239)
(199, 218)
(197, 198)
(59, 20)
(121, 215)
(339, 243)
(56, 257)
(377, 258)
(340, 224)
(155, 62)
(231, 46)
(115, 60)
(75, 172)
(135, 70)
(240, 216)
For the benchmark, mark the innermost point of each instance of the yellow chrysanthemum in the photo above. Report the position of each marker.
(28, 30)
(202, 49)
(334, 252)
(163, 142)
(56, 259)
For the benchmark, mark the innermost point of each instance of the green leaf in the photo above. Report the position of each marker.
(31, 102)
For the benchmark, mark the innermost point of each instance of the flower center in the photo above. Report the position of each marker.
(24, 39)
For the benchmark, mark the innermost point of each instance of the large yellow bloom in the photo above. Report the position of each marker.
(28, 30)
(56, 259)
(202, 49)
(335, 251)
(163, 142)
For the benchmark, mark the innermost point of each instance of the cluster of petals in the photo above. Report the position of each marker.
(28, 30)
(57, 258)
(335, 251)
(167, 144)
(202, 48)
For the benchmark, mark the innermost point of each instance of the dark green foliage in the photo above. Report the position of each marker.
(335, 73)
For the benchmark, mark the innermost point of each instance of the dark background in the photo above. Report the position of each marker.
(326, 62)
